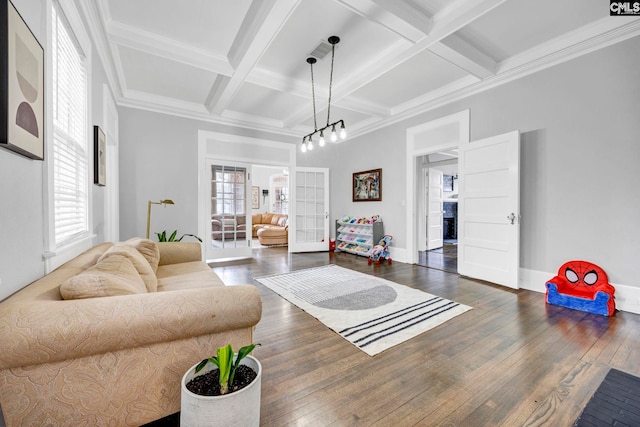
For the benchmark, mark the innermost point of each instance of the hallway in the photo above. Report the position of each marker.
(444, 258)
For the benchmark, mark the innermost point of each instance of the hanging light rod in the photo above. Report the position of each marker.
(307, 140)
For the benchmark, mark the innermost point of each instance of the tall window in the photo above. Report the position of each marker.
(70, 136)
(228, 190)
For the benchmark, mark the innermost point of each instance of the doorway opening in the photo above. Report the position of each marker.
(437, 136)
(225, 162)
(270, 198)
(438, 210)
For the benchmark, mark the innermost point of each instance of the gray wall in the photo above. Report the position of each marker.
(22, 221)
(580, 149)
(158, 160)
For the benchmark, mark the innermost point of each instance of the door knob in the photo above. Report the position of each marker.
(512, 218)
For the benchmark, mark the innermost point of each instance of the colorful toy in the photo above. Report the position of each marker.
(381, 250)
(582, 286)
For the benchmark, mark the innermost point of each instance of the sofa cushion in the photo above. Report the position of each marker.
(114, 275)
(274, 219)
(148, 249)
(282, 222)
(185, 275)
(138, 261)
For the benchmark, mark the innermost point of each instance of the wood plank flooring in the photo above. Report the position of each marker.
(511, 361)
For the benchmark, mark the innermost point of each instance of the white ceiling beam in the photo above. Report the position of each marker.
(300, 89)
(262, 23)
(398, 17)
(451, 19)
(460, 53)
(596, 35)
(154, 44)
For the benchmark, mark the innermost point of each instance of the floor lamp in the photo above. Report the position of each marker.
(161, 202)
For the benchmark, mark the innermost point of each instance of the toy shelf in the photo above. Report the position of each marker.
(357, 238)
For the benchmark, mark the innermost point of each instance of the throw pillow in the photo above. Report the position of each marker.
(149, 250)
(138, 261)
(112, 276)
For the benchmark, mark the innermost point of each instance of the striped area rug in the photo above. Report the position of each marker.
(373, 314)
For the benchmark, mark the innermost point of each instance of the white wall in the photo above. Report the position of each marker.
(580, 153)
(260, 178)
(22, 219)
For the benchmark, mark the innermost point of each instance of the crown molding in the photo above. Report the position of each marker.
(193, 111)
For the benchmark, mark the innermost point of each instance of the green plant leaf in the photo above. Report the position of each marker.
(242, 353)
(225, 360)
(201, 365)
(173, 236)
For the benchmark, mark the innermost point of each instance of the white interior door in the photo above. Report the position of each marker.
(488, 209)
(310, 211)
(435, 210)
(228, 228)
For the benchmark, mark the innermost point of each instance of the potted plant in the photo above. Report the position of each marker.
(222, 390)
(162, 237)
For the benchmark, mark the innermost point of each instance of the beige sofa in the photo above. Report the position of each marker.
(114, 352)
(270, 228)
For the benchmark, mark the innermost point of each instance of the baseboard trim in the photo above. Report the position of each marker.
(398, 254)
(627, 297)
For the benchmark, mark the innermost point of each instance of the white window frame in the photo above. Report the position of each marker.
(55, 256)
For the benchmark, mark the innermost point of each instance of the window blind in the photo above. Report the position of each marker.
(70, 136)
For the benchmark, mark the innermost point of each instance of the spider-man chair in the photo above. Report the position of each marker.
(582, 286)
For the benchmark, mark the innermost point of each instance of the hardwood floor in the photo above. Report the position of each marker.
(444, 258)
(511, 361)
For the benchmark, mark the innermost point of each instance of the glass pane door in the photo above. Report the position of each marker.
(311, 231)
(230, 224)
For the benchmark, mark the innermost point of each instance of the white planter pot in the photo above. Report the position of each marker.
(240, 408)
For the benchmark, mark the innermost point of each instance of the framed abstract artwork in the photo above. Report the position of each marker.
(21, 85)
(99, 157)
(367, 186)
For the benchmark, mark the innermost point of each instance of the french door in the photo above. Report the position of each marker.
(310, 210)
(489, 206)
(229, 216)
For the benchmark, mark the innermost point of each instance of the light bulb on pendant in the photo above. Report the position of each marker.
(334, 136)
(343, 131)
(321, 141)
(304, 145)
(310, 144)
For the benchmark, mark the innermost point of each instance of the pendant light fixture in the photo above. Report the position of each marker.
(307, 140)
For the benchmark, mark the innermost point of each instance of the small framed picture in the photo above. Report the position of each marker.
(99, 157)
(447, 183)
(367, 186)
(255, 197)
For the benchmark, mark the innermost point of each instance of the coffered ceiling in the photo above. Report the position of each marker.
(243, 62)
